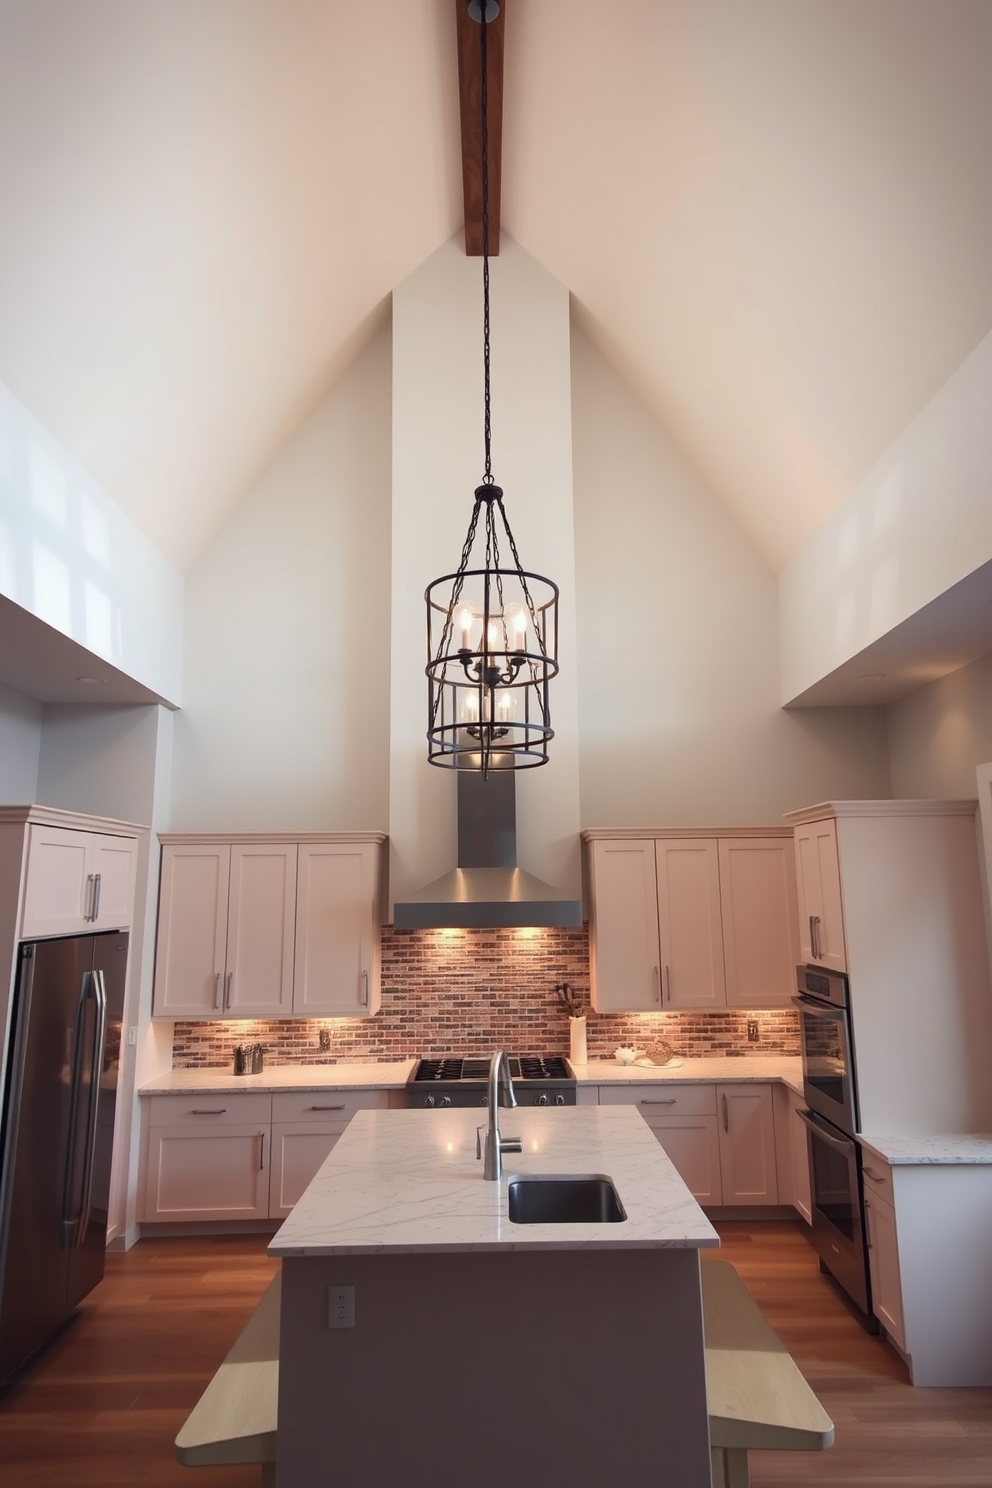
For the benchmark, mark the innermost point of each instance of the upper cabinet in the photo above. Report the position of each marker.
(683, 920)
(78, 878)
(821, 919)
(256, 927)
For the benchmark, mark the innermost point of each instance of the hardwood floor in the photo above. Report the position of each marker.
(105, 1401)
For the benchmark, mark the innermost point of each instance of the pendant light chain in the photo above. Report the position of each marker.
(488, 477)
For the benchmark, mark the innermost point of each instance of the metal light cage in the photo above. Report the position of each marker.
(492, 649)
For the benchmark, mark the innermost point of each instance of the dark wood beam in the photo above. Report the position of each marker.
(470, 102)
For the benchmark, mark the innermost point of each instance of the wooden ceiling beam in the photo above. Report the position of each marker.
(470, 106)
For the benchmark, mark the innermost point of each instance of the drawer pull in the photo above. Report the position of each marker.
(328, 1108)
(875, 1177)
(726, 1114)
(208, 1111)
(669, 1102)
(261, 1152)
(868, 1226)
(217, 996)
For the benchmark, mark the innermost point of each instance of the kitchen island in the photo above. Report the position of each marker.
(480, 1350)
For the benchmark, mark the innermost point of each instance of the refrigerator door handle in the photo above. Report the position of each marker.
(99, 1043)
(70, 1219)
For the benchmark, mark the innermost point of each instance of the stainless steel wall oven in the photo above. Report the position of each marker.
(831, 1093)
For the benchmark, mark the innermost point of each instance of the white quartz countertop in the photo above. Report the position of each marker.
(714, 1070)
(938, 1150)
(392, 1076)
(409, 1181)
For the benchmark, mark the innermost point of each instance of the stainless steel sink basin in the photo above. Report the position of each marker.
(566, 1199)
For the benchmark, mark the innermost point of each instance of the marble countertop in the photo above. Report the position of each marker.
(409, 1181)
(394, 1075)
(391, 1076)
(715, 1069)
(938, 1150)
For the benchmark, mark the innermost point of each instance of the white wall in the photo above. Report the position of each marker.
(20, 746)
(918, 523)
(678, 643)
(285, 716)
(99, 760)
(438, 460)
(940, 733)
(69, 555)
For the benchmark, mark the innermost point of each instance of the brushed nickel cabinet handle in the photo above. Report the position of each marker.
(814, 938)
(227, 989)
(868, 1226)
(870, 1173)
(328, 1108)
(657, 985)
(365, 990)
(667, 983)
(217, 996)
(208, 1111)
(97, 880)
(669, 1102)
(261, 1152)
(726, 1114)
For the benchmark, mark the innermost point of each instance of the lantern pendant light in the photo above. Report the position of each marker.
(492, 632)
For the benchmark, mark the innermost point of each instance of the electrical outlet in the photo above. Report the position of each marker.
(340, 1306)
(325, 1038)
(752, 1030)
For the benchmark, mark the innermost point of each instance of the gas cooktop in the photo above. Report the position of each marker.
(522, 1067)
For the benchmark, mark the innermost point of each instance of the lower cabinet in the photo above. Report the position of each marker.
(791, 1151)
(883, 1251)
(721, 1138)
(238, 1157)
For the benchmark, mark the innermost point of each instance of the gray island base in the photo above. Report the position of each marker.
(485, 1352)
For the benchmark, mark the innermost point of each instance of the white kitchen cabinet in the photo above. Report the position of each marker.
(792, 1158)
(225, 930)
(337, 931)
(689, 923)
(679, 920)
(746, 1125)
(625, 960)
(821, 918)
(267, 928)
(77, 880)
(683, 1118)
(883, 1249)
(206, 1158)
(305, 1126)
(760, 920)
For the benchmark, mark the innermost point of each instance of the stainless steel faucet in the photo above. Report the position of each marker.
(495, 1145)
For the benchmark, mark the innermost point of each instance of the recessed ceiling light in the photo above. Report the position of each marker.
(91, 681)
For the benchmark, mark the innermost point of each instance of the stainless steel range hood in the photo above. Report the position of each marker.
(487, 890)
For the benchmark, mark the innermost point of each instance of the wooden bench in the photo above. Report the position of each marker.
(757, 1396)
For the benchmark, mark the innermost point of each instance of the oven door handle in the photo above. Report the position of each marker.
(842, 1144)
(822, 1009)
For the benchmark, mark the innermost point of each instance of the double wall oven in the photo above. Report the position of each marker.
(830, 1090)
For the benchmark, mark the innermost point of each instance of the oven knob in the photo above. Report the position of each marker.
(444, 1100)
(428, 1100)
(542, 1100)
(559, 1099)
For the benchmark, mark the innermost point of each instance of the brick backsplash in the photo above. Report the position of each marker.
(473, 991)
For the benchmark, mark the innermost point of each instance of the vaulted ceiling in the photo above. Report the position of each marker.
(775, 218)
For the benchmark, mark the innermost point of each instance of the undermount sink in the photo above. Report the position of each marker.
(565, 1199)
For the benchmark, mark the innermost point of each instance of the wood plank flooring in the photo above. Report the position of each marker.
(104, 1403)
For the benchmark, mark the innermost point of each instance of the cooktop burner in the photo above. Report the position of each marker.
(522, 1067)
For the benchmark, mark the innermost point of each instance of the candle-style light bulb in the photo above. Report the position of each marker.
(465, 618)
(471, 707)
(520, 630)
(504, 707)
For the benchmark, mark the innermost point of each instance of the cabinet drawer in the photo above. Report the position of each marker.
(878, 1177)
(326, 1106)
(662, 1100)
(209, 1111)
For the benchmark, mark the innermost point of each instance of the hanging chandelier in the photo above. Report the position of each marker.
(492, 632)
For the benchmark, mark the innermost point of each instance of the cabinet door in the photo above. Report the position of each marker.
(192, 932)
(821, 920)
(218, 1174)
(747, 1144)
(883, 1265)
(625, 965)
(337, 931)
(760, 934)
(693, 1145)
(690, 927)
(112, 862)
(261, 927)
(298, 1150)
(56, 898)
(799, 1159)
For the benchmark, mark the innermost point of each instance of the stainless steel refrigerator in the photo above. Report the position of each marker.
(57, 1133)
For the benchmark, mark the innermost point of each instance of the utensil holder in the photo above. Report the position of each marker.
(577, 1040)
